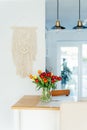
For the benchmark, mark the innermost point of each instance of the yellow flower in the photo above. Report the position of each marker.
(35, 77)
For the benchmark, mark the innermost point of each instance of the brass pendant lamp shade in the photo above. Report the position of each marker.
(79, 22)
(57, 24)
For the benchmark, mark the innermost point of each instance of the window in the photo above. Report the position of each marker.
(72, 61)
(84, 70)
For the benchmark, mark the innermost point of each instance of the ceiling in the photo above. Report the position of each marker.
(68, 12)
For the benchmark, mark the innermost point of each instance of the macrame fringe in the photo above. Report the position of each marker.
(24, 49)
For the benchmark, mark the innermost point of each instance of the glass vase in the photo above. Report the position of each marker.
(46, 95)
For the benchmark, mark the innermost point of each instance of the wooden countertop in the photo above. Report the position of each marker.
(33, 102)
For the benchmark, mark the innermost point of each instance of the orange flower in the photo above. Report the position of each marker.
(39, 71)
(45, 80)
(30, 76)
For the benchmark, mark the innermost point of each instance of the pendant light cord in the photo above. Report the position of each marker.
(57, 9)
(79, 9)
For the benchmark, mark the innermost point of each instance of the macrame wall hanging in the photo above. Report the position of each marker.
(24, 49)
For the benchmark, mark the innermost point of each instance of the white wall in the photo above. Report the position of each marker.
(12, 87)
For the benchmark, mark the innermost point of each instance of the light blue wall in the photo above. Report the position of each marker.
(68, 12)
(55, 38)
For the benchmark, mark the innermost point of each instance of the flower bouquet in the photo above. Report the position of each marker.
(45, 81)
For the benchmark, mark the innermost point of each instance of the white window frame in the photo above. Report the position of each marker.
(77, 44)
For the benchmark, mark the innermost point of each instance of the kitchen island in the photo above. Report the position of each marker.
(32, 114)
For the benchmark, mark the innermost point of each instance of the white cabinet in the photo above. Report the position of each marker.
(31, 114)
(36, 119)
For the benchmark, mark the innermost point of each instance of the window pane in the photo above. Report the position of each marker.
(84, 70)
(69, 69)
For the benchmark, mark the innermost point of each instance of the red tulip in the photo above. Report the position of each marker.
(41, 76)
(59, 78)
(53, 77)
(44, 74)
(48, 74)
(36, 80)
(52, 80)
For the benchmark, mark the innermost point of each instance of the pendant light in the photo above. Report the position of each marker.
(57, 25)
(79, 22)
